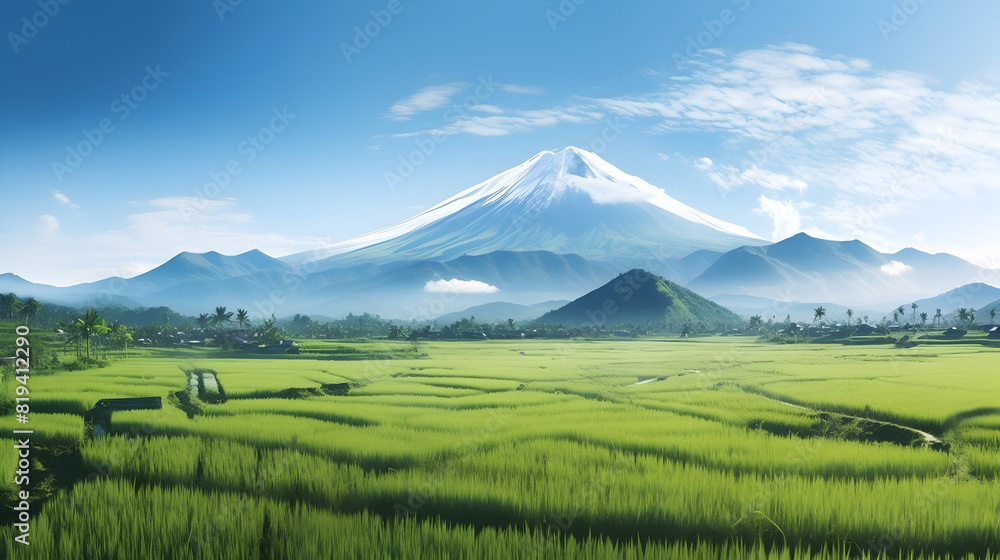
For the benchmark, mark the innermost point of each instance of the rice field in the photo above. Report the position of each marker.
(647, 448)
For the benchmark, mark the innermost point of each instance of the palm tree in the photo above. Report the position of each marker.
(914, 307)
(937, 317)
(756, 322)
(850, 313)
(923, 319)
(902, 312)
(32, 308)
(963, 314)
(819, 313)
(221, 316)
(14, 305)
(6, 305)
(121, 336)
(972, 315)
(90, 324)
(203, 320)
(993, 314)
(72, 335)
(242, 317)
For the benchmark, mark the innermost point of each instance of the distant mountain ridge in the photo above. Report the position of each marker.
(550, 228)
(977, 295)
(804, 268)
(195, 283)
(798, 269)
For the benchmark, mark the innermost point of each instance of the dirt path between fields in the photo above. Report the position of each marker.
(874, 426)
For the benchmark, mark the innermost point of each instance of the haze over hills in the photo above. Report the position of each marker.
(803, 268)
(976, 295)
(502, 311)
(769, 309)
(551, 228)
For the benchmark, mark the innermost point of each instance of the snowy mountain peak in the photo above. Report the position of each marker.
(564, 201)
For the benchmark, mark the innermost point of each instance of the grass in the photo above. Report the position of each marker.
(510, 449)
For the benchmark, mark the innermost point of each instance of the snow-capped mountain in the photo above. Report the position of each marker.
(564, 201)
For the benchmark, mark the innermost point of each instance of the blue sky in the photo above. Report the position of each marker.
(132, 131)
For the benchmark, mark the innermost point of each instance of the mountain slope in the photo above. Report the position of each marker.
(979, 296)
(638, 296)
(566, 201)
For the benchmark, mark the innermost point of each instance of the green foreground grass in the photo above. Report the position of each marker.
(649, 448)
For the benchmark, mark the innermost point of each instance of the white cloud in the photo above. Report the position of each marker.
(895, 268)
(783, 214)
(427, 99)
(798, 118)
(190, 203)
(603, 191)
(483, 108)
(879, 151)
(49, 222)
(456, 286)
(63, 199)
(703, 164)
(522, 90)
(728, 177)
(512, 122)
(155, 232)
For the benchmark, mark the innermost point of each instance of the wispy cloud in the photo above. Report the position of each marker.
(867, 146)
(63, 199)
(49, 222)
(798, 118)
(427, 99)
(864, 142)
(512, 121)
(522, 90)
(166, 226)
